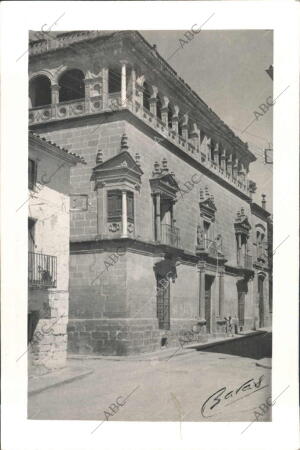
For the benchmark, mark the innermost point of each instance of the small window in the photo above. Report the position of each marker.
(32, 173)
(114, 206)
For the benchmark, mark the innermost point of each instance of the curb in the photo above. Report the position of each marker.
(34, 391)
(264, 366)
(166, 354)
(159, 356)
(223, 341)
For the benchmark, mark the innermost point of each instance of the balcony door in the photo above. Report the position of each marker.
(168, 231)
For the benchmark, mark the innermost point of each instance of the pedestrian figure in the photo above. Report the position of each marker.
(226, 325)
(230, 325)
(235, 324)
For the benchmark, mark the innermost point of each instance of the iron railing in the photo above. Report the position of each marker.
(170, 235)
(42, 270)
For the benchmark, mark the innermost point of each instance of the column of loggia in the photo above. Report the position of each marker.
(105, 71)
(164, 110)
(235, 168)
(195, 137)
(123, 84)
(54, 98)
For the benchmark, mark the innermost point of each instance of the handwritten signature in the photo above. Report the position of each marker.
(224, 397)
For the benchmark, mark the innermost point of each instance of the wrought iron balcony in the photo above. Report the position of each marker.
(170, 235)
(42, 270)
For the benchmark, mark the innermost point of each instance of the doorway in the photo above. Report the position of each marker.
(241, 308)
(261, 301)
(208, 284)
(163, 302)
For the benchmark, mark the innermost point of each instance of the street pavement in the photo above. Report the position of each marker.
(190, 386)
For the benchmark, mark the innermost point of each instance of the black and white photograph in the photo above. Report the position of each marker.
(151, 237)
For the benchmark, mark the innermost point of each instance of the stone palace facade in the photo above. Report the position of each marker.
(165, 235)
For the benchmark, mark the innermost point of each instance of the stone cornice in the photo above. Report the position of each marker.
(259, 211)
(135, 121)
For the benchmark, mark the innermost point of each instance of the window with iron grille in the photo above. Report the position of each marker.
(114, 206)
(32, 173)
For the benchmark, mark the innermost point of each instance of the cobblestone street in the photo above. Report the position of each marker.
(173, 389)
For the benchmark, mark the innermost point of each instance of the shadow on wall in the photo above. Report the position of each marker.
(255, 347)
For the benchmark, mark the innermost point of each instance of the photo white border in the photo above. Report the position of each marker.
(17, 18)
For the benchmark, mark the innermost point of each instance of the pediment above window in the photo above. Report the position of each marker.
(121, 169)
(207, 205)
(163, 181)
(241, 223)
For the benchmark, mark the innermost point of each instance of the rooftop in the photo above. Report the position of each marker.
(72, 157)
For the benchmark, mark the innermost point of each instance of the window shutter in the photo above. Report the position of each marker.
(114, 206)
(130, 207)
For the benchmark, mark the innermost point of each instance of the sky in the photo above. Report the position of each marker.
(227, 70)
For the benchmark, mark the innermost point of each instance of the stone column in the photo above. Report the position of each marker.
(153, 108)
(124, 214)
(175, 123)
(87, 93)
(235, 168)
(55, 94)
(229, 165)
(216, 154)
(221, 294)
(195, 139)
(133, 85)
(223, 159)
(157, 216)
(123, 84)
(164, 115)
(105, 87)
(241, 174)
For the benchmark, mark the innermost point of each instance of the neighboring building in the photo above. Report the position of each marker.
(163, 227)
(48, 253)
(262, 263)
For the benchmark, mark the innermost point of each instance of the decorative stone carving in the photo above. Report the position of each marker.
(200, 235)
(113, 227)
(130, 227)
(99, 157)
